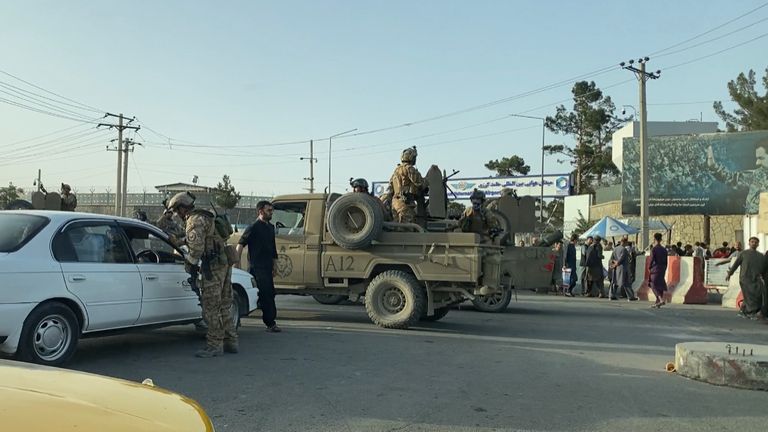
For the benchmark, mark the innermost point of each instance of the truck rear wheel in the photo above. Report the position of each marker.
(493, 303)
(394, 299)
(329, 299)
(355, 220)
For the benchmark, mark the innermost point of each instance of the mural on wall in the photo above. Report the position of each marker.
(715, 174)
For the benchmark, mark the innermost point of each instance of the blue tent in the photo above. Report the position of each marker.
(609, 227)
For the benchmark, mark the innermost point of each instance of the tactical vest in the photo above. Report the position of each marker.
(402, 185)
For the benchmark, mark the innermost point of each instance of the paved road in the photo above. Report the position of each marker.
(547, 364)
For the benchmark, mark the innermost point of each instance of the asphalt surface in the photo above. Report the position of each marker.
(547, 364)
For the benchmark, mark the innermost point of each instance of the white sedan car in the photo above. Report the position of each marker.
(65, 275)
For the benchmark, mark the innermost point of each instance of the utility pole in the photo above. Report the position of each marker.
(127, 148)
(642, 77)
(330, 152)
(312, 161)
(121, 167)
(39, 179)
(543, 131)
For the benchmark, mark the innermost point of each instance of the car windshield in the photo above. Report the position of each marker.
(18, 229)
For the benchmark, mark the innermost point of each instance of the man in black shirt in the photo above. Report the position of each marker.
(262, 254)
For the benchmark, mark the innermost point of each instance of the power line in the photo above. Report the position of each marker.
(52, 114)
(67, 147)
(716, 52)
(51, 144)
(36, 98)
(712, 40)
(683, 103)
(708, 31)
(85, 106)
(46, 135)
(41, 105)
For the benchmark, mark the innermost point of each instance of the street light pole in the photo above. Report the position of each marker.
(330, 150)
(543, 131)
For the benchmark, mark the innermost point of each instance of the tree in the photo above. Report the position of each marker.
(455, 209)
(592, 123)
(225, 194)
(9, 194)
(553, 214)
(509, 166)
(582, 225)
(752, 113)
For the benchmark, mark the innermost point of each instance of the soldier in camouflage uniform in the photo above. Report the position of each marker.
(68, 199)
(207, 256)
(407, 187)
(170, 227)
(755, 181)
(475, 219)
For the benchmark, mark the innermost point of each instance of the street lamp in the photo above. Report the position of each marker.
(624, 110)
(543, 129)
(330, 148)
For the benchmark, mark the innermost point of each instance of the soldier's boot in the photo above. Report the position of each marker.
(231, 347)
(209, 352)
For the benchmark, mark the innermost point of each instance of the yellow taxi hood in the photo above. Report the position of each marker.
(38, 398)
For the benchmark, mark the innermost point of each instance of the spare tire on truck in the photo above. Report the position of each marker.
(355, 220)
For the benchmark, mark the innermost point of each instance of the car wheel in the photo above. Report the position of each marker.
(394, 299)
(49, 335)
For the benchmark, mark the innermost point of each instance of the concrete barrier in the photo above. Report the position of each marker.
(732, 364)
(672, 277)
(691, 289)
(732, 298)
(644, 292)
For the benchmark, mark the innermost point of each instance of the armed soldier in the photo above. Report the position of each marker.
(68, 199)
(170, 227)
(407, 186)
(207, 253)
(359, 185)
(475, 219)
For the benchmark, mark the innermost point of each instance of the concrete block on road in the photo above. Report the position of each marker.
(711, 363)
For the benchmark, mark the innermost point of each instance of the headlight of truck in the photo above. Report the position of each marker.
(253, 282)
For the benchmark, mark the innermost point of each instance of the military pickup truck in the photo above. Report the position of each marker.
(339, 246)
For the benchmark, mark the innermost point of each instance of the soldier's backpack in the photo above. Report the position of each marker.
(221, 223)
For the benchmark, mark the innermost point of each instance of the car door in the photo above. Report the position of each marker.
(290, 239)
(167, 294)
(98, 268)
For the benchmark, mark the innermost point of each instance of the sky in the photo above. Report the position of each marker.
(240, 87)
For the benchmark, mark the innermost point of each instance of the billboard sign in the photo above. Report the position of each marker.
(555, 185)
(715, 174)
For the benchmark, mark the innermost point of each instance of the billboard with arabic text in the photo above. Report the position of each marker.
(555, 185)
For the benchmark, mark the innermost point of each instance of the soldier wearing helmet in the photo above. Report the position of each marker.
(68, 199)
(359, 185)
(207, 252)
(475, 218)
(169, 226)
(407, 187)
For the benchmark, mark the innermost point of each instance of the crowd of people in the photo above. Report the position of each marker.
(588, 256)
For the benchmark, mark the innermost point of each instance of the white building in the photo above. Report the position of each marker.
(657, 128)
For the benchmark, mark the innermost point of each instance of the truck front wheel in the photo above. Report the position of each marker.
(394, 299)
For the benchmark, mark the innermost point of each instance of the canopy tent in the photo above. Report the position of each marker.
(653, 224)
(609, 227)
